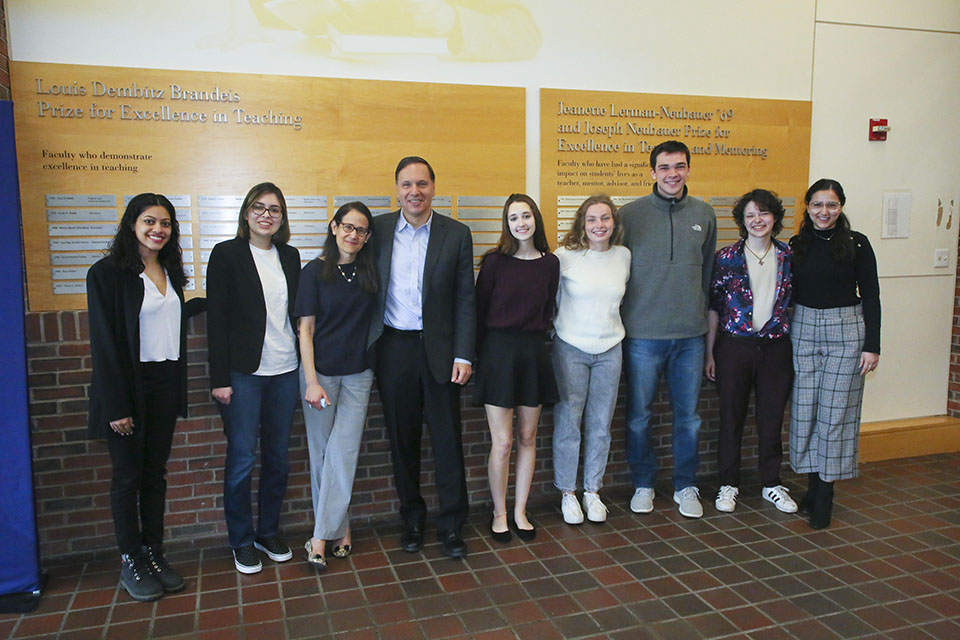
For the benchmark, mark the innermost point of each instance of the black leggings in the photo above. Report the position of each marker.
(138, 491)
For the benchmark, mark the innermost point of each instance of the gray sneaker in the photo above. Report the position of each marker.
(689, 501)
(136, 578)
(642, 500)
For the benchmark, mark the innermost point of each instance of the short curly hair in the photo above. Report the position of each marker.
(766, 201)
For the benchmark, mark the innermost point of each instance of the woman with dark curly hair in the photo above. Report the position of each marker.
(836, 342)
(748, 345)
(139, 382)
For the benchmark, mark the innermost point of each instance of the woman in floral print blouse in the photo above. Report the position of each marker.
(748, 345)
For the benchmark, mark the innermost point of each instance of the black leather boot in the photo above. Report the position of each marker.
(136, 578)
(167, 576)
(805, 506)
(823, 506)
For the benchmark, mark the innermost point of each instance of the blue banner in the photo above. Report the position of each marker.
(20, 578)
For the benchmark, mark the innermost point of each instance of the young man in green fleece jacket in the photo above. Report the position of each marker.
(672, 238)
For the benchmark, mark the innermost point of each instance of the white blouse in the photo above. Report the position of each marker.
(159, 322)
(279, 354)
(763, 285)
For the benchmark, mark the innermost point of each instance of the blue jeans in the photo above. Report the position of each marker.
(588, 385)
(683, 362)
(261, 409)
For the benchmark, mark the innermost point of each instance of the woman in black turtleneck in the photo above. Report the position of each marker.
(836, 342)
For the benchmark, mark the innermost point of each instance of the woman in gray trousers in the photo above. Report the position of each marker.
(334, 306)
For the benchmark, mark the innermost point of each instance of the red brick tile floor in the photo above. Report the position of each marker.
(888, 567)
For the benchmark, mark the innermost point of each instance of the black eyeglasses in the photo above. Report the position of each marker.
(350, 228)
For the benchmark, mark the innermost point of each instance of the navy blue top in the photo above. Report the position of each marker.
(342, 311)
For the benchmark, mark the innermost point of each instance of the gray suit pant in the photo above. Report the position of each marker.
(333, 438)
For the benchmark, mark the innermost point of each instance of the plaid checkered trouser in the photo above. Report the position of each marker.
(827, 391)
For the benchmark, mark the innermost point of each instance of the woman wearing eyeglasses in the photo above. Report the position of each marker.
(836, 342)
(335, 302)
(251, 288)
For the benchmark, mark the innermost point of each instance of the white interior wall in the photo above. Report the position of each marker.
(694, 47)
(906, 72)
(930, 15)
(902, 67)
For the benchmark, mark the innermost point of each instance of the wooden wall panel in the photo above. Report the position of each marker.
(350, 137)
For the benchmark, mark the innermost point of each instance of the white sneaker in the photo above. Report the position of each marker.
(727, 498)
(571, 509)
(642, 500)
(596, 510)
(780, 497)
(689, 501)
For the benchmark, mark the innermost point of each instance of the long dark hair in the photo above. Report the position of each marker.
(125, 248)
(576, 237)
(366, 265)
(282, 236)
(507, 244)
(841, 241)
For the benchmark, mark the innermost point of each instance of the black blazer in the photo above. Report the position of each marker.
(236, 310)
(114, 298)
(449, 308)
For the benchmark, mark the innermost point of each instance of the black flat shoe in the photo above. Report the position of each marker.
(525, 534)
(502, 537)
(412, 538)
(453, 544)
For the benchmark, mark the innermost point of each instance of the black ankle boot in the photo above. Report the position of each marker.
(136, 578)
(823, 506)
(169, 579)
(806, 504)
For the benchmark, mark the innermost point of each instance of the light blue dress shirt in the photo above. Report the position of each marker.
(404, 305)
(404, 308)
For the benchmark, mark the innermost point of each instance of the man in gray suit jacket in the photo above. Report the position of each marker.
(423, 334)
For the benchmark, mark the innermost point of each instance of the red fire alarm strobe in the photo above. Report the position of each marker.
(878, 128)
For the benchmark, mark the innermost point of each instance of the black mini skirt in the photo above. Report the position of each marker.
(514, 370)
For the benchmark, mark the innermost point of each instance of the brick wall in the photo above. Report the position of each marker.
(72, 474)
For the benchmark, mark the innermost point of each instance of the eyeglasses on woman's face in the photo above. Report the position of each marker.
(819, 205)
(350, 228)
(260, 209)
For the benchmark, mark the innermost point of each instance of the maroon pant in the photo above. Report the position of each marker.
(764, 366)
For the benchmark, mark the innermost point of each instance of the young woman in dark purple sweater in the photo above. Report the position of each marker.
(516, 301)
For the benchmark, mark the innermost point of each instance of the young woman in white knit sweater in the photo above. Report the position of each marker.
(594, 269)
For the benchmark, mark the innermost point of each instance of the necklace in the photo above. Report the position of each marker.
(822, 235)
(759, 258)
(353, 273)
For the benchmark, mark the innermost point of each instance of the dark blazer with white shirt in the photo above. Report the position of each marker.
(114, 298)
(236, 309)
(449, 308)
